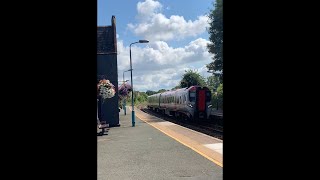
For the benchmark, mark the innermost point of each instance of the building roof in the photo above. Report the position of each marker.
(106, 38)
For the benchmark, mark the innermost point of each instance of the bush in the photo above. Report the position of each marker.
(217, 97)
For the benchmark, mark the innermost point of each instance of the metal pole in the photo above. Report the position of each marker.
(124, 107)
(124, 100)
(98, 112)
(133, 114)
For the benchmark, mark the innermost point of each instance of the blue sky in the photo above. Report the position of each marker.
(177, 33)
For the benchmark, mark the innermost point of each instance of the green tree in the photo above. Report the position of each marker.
(138, 97)
(220, 96)
(215, 31)
(191, 78)
(177, 87)
(161, 91)
(217, 97)
(149, 93)
(213, 82)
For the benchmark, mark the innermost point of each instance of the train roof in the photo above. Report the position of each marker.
(173, 91)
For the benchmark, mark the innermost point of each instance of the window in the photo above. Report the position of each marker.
(192, 96)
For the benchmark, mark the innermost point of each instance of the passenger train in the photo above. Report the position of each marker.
(191, 103)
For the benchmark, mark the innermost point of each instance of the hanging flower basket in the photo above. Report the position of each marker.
(106, 89)
(124, 90)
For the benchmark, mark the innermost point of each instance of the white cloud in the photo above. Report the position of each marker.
(156, 26)
(157, 65)
(148, 8)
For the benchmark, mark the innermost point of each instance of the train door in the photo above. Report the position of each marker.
(200, 99)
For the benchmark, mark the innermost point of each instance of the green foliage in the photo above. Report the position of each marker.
(138, 97)
(149, 93)
(177, 87)
(217, 98)
(191, 78)
(161, 91)
(213, 82)
(220, 89)
(215, 31)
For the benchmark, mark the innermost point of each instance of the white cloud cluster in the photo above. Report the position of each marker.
(155, 26)
(157, 65)
(148, 8)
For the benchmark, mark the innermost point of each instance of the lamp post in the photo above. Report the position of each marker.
(124, 100)
(123, 75)
(133, 115)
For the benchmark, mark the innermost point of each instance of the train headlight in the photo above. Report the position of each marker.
(210, 106)
(190, 105)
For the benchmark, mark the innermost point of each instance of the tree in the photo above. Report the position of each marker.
(215, 31)
(161, 91)
(149, 92)
(138, 97)
(191, 78)
(213, 82)
(217, 97)
(220, 95)
(176, 87)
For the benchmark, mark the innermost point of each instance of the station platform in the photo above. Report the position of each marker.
(157, 149)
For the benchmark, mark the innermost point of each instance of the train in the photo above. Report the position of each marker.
(191, 103)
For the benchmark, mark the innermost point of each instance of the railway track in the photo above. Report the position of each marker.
(205, 127)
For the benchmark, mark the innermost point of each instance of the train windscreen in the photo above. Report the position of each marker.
(208, 96)
(192, 96)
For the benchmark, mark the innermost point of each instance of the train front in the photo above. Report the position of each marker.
(200, 100)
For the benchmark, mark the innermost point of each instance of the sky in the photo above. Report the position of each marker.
(177, 35)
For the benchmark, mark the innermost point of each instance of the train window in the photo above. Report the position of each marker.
(192, 96)
(208, 96)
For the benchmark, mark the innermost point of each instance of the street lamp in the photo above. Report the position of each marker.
(133, 115)
(123, 75)
(124, 81)
(124, 100)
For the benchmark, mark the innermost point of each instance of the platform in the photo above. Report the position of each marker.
(157, 149)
